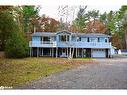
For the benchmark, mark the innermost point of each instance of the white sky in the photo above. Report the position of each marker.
(49, 7)
(52, 11)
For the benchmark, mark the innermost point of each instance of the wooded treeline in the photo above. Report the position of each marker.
(26, 19)
(113, 23)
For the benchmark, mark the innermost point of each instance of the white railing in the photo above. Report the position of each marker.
(93, 44)
(69, 44)
(84, 44)
(42, 43)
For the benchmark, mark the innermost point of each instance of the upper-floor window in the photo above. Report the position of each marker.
(93, 39)
(78, 38)
(73, 38)
(54, 38)
(106, 40)
(84, 39)
(46, 38)
(64, 37)
(102, 39)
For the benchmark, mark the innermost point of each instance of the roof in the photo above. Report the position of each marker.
(79, 34)
(43, 34)
(91, 34)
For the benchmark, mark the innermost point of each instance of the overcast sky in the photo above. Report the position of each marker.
(50, 7)
(52, 10)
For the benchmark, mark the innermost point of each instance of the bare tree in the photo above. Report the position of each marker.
(65, 13)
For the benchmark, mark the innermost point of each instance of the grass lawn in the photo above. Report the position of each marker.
(14, 72)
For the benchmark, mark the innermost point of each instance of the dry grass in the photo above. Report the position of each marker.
(14, 72)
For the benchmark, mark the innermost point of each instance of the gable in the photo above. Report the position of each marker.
(63, 32)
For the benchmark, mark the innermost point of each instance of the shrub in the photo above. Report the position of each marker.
(16, 46)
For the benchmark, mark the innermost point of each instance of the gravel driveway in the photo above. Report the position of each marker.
(108, 74)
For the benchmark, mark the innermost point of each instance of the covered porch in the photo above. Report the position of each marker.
(59, 52)
(69, 52)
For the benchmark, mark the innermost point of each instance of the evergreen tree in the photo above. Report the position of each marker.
(7, 25)
(16, 46)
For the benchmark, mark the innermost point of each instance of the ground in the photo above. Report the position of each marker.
(107, 74)
(15, 72)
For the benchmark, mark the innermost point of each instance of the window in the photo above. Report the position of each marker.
(41, 38)
(78, 38)
(84, 39)
(93, 40)
(64, 37)
(101, 39)
(88, 39)
(73, 38)
(54, 38)
(106, 40)
(46, 38)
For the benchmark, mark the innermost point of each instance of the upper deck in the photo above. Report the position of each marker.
(68, 39)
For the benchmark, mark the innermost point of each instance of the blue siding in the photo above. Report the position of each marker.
(82, 42)
(36, 38)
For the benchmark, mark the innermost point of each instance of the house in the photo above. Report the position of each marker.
(121, 51)
(65, 44)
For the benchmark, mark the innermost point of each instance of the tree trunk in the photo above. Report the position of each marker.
(93, 29)
(72, 52)
(126, 37)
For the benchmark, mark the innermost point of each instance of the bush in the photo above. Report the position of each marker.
(16, 46)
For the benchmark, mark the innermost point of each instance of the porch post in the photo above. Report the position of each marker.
(70, 52)
(37, 51)
(52, 52)
(56, 52)
(91, 54)
(76, 52)
(30, 51)
(82, 52)
(42, 52)
(109, 53)
(67, 51)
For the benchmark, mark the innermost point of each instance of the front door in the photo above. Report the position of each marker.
(84, 53)
(64, 53)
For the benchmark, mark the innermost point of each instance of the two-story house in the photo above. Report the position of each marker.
(65, 44)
